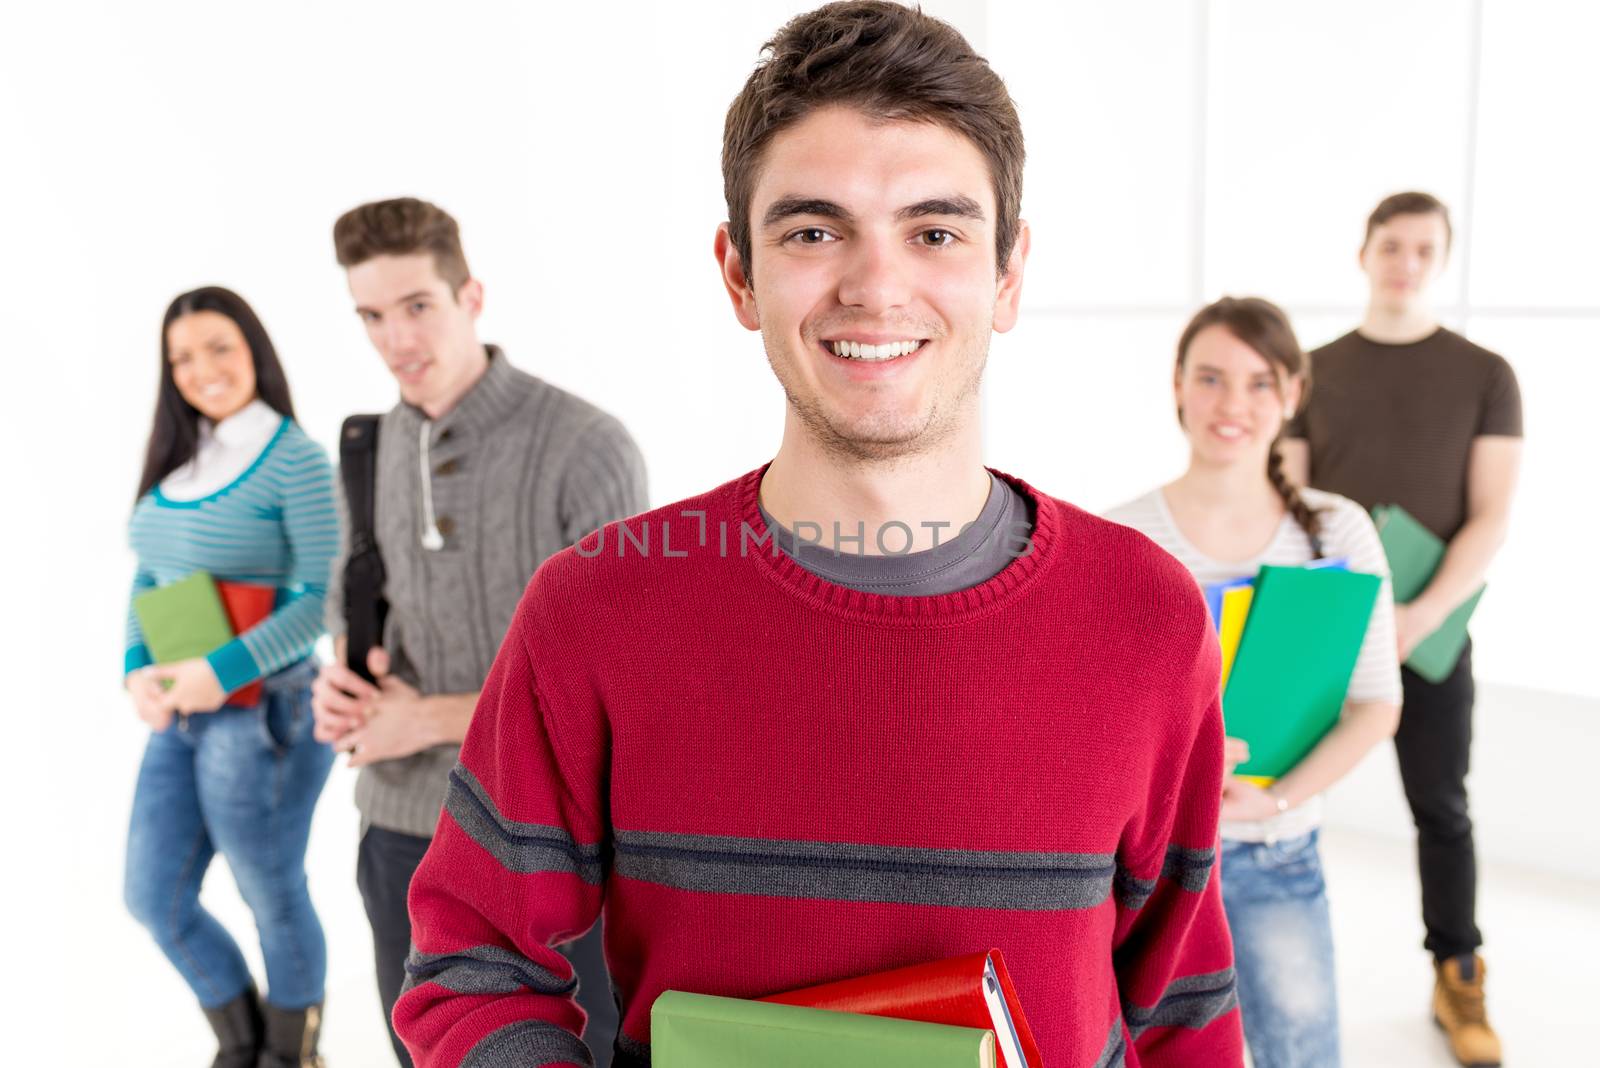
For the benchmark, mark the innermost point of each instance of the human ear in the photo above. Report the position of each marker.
(1008, 297)
(736, 279)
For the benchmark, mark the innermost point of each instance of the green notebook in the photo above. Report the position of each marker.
(183, 619)
(1294, 663)
(1415, 553)
(700, 1031)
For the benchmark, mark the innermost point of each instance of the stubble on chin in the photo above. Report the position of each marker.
(877, 438)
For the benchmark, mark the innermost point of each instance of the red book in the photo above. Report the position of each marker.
(246, 604)
(970, 991)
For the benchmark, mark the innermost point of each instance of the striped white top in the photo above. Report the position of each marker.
(1347, 531)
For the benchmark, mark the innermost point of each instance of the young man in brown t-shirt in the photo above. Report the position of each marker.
(1406, 412)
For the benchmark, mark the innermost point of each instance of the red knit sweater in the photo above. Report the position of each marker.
(768, 781)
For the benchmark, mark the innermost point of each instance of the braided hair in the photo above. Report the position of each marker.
(1265, 328)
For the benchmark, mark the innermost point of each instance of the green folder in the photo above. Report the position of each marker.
(1294, 663)
(700, 1031)
(183, 619)
(1415, 553)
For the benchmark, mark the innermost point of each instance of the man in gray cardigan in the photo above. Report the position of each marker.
(483, 471)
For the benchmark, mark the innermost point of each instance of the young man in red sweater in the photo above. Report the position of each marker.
(871, 704)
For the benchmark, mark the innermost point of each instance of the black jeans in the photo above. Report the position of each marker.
(1434, 744)
(384, 866)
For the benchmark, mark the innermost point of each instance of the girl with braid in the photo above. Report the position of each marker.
(1239, 379)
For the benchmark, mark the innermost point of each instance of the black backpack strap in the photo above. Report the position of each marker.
(364, 606)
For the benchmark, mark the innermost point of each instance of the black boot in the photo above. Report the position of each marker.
(239, 1029)
(291, 1037)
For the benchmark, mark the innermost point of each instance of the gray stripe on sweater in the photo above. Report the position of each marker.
(483, 970)
(519, 847)
(1192, 1001)
(1113, 1055)
(1189, 868)
(527, 1044)
(1132, 891)
(838, 871)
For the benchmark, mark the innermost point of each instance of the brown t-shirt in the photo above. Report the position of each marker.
(1394, 424)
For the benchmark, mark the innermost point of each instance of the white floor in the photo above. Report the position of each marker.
(1543, 935)
(95, 990)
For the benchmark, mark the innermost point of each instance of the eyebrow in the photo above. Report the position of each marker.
(1206, 368)
(957, 205)
(209, 339)
(407, 299)
(790, 206)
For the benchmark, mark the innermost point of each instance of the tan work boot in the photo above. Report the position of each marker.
(1458, 1009)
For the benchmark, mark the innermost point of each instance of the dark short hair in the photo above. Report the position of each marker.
(402, 227)
(892, 62)
(1409, 204)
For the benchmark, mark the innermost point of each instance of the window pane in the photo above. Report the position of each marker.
(1315, 115)
(1536, 222)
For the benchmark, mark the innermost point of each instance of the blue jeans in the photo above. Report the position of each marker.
(1277, 908)
(241, 782)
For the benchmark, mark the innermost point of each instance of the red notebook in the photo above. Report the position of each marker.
(970, 991)
(246, 604)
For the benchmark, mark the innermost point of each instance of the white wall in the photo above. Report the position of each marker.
(1531, 785)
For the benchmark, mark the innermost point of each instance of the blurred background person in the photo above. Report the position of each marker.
(1411, 413)
(234, 488)
(482, 470)
(1240, 377)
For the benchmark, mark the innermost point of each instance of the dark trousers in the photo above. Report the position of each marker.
(1434, 744)
(384, 866)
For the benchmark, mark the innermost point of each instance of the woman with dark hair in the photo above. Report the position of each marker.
(1240, 377)
(234, 488)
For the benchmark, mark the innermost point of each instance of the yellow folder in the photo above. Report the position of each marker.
(1235, 608)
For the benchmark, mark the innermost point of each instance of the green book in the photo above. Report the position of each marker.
(701, 1031)
(1295, 659)
(183, 619)
(1415, 553)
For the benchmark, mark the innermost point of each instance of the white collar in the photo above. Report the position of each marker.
(253, 424)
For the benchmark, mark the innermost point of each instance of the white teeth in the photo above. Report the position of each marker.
(856, 350)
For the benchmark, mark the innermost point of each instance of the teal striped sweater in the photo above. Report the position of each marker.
(275, 525)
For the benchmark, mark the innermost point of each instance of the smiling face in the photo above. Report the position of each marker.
(1233, 401)
(873, 280)
(1403, 257)
(211, 364)
(426, 334)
